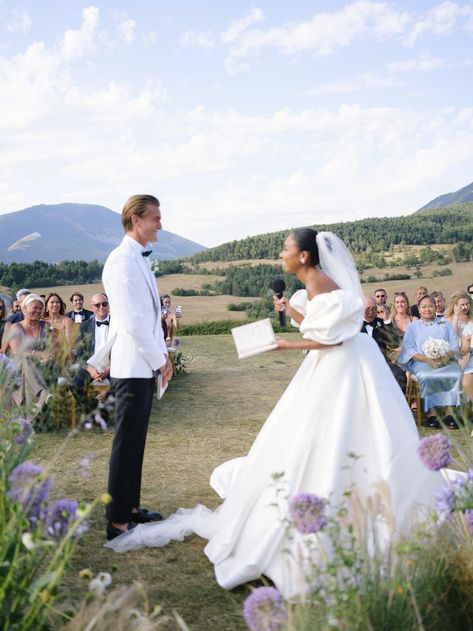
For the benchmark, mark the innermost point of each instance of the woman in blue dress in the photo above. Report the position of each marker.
(439, 379)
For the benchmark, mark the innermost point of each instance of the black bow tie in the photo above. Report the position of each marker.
(146, 253)
(105, 323)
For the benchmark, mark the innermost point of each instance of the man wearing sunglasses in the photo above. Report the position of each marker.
(93, 334)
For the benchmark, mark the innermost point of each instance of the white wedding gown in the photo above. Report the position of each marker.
(342, 399)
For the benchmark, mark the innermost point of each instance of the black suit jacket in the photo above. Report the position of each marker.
(379, 333)
(86, 314)
(86, 339)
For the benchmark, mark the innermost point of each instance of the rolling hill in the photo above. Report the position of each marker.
(73, 232)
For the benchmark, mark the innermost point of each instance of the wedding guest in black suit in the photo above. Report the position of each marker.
(375, 328)
(3, 318)
(381, 296)
(78, 314)
(93, 334)
(420, 293)
(17, 316)
(440, 304)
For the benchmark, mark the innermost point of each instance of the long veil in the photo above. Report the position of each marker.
(337, 262)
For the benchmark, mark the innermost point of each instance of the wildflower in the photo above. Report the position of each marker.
(445, 501)
(469, 520)
(434, 451)
(105, 498)
(85, 574)
(28, 541)
(29, 488)
(176, 341)
(98, 418)
(264, 610)
(23, 430)
(307, 512)
(100, 583)
(85, 464)
(60, 518)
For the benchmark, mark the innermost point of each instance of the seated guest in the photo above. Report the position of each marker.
(55, 308)
(375, 328)
(169, 322)
(17, 316)
(467, 351)
(439, 379)
(384, 313)
(93, 334)
(400, 319)
(15, 306)
(381, 296)
(3, 318)
(440, 306)
(420, 293)
(29, 344)
(78, 314)
(459, 311)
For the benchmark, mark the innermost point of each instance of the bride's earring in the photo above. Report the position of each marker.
(302, 261)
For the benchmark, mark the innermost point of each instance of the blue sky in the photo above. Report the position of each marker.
(242, 117)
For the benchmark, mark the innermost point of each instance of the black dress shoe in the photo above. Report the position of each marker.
(113, 532)
(431, 423)
(450, 422)
(144, 516)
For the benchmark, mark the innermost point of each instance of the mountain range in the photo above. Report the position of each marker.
(54, 233)
(59, 232)
(461, 196)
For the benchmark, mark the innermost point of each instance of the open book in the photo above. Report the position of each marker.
(256, 337)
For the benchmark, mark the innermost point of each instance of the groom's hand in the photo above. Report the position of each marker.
(166, 371)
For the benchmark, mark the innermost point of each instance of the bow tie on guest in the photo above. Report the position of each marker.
(104, 322)
(81, 312)
(146, 252)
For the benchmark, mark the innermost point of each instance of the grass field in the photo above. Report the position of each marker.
(206, 417)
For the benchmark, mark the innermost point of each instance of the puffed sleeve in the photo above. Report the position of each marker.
(298, 301)
(333, 317)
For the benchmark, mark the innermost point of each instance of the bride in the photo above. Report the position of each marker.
(343, 400)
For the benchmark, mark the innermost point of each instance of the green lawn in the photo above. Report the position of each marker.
(208, 416)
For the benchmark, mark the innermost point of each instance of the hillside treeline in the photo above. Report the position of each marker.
(451, 224)
(41, 274)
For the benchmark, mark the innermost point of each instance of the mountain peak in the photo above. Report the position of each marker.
(70, 231)
(461, 196)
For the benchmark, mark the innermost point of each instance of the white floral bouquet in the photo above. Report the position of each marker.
(435, 349)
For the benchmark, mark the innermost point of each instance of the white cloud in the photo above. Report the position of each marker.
(237, 27)
(442, 19)
(422, 63)
(77, 43)
(366, 81)
(150, 38)
(126, 28)
(201, 40)
(19, 20)
(323, 33)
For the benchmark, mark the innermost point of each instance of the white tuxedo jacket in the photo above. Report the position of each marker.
(136, 339)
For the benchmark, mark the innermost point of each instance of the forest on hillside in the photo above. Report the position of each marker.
(377, 242)
(451, 224)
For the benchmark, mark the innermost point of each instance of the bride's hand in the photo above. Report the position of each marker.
(280, 304)
(282, 344)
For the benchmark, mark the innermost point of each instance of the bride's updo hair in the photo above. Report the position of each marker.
(306, 240)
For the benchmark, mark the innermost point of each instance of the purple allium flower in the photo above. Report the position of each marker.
(61, 516)
(176, 341)
(445, 501)
(264, 610)
(28, 488)
(9, 366)
(24, 429)
(434, 451)
(307, 512)
(469, 520)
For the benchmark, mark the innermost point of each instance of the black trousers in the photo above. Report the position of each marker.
(133, 399)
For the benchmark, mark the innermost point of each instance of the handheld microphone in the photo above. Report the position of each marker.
(278, 286)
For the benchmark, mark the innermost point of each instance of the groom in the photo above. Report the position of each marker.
(138, 354)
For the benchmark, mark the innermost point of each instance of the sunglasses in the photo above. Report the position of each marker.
(100, 304)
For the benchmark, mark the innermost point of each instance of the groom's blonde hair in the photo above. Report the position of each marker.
(136, 205)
